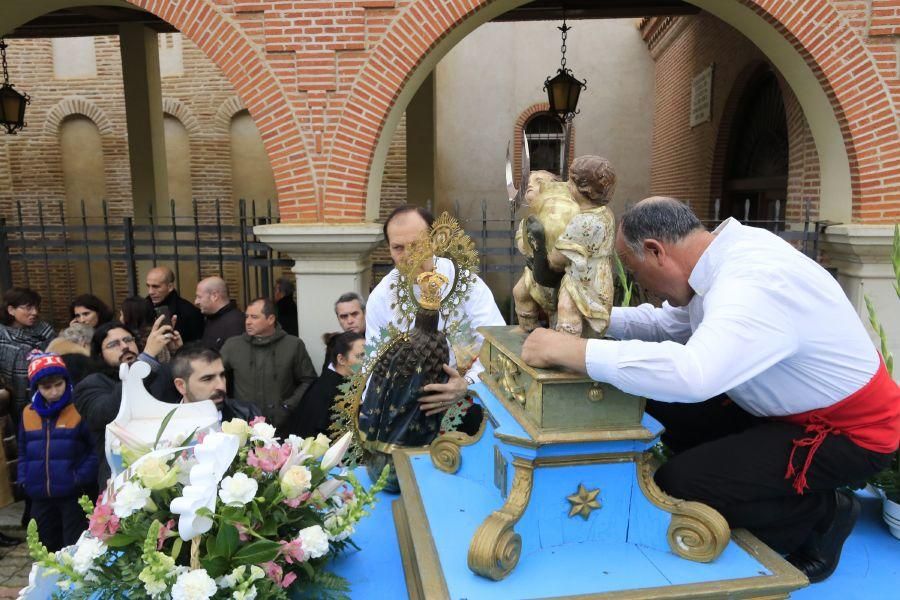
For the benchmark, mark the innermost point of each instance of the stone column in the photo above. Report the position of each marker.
(144, 117)
(328, 261)
(862, 256)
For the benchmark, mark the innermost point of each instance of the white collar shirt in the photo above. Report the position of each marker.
(479, 308)
(767, 325)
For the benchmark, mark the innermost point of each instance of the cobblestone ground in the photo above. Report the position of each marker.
(15, 564)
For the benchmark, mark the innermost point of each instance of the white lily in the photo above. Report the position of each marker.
(337, 451)
(213, 456)
(328, 487)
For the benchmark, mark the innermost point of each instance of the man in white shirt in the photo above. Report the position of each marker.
(810, 407)
(404, 226)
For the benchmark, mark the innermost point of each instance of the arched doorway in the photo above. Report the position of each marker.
(754, 185)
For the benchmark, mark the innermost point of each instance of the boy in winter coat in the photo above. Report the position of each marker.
(57, 461)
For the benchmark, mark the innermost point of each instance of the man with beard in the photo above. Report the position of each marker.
(199, 375)
(99, 395)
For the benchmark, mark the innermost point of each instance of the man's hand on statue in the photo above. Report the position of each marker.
(441, 396)
(545, 348)
(159, 338)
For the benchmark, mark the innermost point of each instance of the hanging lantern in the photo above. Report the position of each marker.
(12, 102)
(564, 88)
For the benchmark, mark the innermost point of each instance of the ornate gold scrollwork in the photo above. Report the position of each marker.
(445, 449)
(495, 548)
(595, 394)
(508, 378)
(696, 532)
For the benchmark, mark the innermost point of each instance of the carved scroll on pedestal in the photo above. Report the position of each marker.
(495, 548)
(696, 532)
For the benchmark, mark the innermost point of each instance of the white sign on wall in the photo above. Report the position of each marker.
(701, 96)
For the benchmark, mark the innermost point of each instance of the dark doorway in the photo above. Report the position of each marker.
(756, 170)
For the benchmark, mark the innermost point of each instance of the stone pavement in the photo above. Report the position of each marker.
(15, 564)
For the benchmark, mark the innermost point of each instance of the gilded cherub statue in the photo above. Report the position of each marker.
(551, 204)
(573, 259)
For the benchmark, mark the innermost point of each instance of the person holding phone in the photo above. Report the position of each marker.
(163, 298)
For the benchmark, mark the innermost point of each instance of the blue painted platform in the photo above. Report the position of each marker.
(869, 568)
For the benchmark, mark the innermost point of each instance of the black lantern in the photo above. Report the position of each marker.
(563, 89)
(12, 103)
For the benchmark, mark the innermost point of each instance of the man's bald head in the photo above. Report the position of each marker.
(658, 218)
(160, 283)
(212, 295)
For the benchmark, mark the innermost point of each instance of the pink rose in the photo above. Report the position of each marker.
(293, 551)
(268, 458)
(257, 420)
(104, 523)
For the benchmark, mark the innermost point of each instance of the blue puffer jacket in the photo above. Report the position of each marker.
(56, 455)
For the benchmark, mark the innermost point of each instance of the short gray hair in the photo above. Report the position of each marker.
(664, 219)
(350, 297)
(78, 333)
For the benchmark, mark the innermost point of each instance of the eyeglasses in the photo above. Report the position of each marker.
(27, 307)
(116, 343)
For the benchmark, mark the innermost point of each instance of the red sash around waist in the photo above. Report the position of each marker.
(870, 417)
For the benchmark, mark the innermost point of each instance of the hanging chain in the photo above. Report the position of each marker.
(565, 33)
(3, 57)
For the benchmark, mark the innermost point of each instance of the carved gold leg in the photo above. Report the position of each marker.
(445, 449)
(495, 548)
(696, 532)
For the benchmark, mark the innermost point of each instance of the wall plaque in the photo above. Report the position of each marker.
(701, 96)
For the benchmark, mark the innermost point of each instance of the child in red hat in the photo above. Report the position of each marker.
(57, 462)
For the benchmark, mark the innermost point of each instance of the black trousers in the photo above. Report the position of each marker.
(60, 521)
(736, 463)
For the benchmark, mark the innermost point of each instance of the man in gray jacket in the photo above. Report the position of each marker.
(267, 366)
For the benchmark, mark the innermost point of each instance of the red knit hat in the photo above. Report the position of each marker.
(45, 364)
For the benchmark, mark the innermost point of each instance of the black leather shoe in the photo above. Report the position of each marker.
(8, 542)
(818, 557)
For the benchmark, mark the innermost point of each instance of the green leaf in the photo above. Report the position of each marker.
(227, 540)
(215, 566)
(163, 425)
(257, 553)
(120, 540)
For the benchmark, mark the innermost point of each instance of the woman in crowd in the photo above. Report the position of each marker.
(74, 346)
(313, 416)
(21, 331)
(89, 310)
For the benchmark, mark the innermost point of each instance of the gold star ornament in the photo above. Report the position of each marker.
(583, 502)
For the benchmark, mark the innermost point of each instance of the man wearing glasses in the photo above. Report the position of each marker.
(97, 396)
(21, 331)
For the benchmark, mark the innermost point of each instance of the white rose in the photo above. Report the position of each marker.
(238, 427)
(315, 541)
(263, 432)
(295, 441)
(194, 585)
(316, 446)
(130, 497)
(86, 552)
(295, 481)
(238, 489)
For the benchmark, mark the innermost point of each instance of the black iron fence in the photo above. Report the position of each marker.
(103, 254)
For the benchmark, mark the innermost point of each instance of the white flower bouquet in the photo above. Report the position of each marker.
(239, 514)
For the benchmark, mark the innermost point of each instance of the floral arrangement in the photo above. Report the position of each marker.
(237, 515)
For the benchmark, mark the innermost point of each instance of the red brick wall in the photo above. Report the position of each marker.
(689, 162)
(320, 78)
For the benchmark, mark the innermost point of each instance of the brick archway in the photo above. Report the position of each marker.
(239, 58)
(835, 58)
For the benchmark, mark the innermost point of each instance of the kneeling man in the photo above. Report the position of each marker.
(771, 392)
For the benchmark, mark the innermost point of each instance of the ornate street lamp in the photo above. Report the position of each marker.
(563, 89)
(12, 103)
